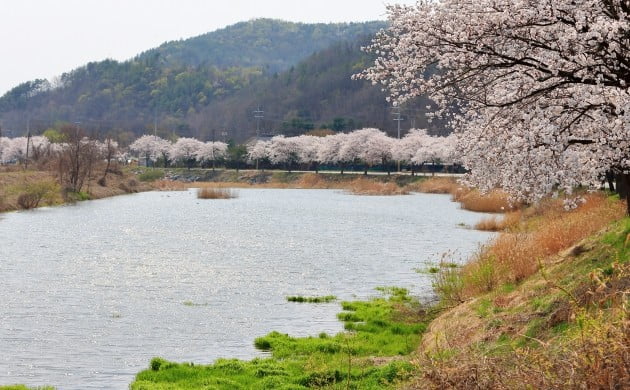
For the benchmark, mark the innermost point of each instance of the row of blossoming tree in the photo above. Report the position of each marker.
(366, 147)
(369, 147)
(541, 87)
(74, 160)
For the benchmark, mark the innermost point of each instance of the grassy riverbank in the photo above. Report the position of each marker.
(25, 189)
(545, 305)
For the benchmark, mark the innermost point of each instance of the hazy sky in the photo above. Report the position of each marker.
(44, 38)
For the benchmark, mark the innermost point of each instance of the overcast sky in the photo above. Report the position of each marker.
(44, 38)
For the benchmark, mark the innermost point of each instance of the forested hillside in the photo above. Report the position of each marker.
(207, 86)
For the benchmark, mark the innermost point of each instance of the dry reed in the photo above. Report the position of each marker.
(436, 185)
(216, 193)
(363, 186)
(514, 256)
(495, 201)
(312, 180)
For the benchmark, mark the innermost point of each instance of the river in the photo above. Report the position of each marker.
(91, 292)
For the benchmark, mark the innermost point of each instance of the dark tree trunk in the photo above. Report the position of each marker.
(623, 188)
(610, 177)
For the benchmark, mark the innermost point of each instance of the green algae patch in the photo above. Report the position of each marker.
(301, 299)
(368, 355)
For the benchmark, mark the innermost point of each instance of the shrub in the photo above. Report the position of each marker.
(448, 284)
(34, 193)
(151, 175)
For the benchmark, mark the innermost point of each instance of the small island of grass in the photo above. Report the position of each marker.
(301, 299)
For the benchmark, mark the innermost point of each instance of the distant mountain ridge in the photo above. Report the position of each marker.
(272, 44)
(211, 84)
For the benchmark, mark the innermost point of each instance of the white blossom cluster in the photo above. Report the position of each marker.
(540, 88)
(152, 147)
(39, 147)
(369, 146)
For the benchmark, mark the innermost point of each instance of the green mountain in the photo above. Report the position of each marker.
(269, 44)
(211, 84)
(317, 93)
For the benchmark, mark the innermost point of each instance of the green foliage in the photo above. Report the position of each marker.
(448, 284)
(379, 328)
(151, 175)
(301, 299)
(55, 136)
(77, 196)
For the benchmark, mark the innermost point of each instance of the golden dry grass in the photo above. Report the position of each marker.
(436, 185)
(313, 180)
(362, 186)
(216, 193)
(514, 256)
(495, 201)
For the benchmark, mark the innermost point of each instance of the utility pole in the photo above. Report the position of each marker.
(155, 122)
(28, 139)
(398, 118)
(258, 114)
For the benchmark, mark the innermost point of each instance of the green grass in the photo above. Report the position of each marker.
(151, 175)
(382, 327)
(301, 299)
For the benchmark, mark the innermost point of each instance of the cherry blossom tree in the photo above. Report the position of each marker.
(211, 151)
(23, 148)
(185, 150)
(406, 149)
(4, 146)
(150, 147)
(308, 146)
(377, 149)
(284, 150)
(355, 144)
(258, 151)
(329, 150)
(541, 87)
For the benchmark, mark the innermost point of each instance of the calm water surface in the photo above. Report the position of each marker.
(91, 292)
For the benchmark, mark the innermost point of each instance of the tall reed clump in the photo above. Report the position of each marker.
(495, 201)
(216, 193)
(363, 186)
(515, 256)
(436, 185)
